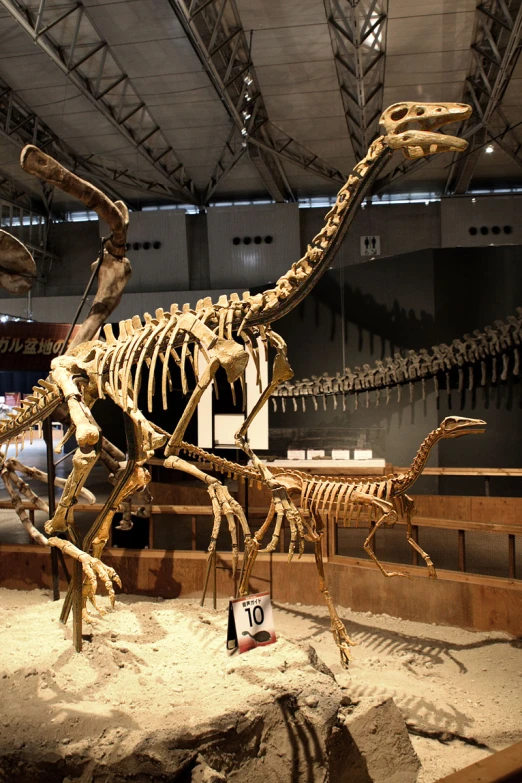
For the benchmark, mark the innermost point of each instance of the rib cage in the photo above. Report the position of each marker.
(156, 340)
(329, 497)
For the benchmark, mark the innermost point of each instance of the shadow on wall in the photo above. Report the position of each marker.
(399, 326)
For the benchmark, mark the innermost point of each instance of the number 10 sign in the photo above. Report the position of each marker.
(250, 622)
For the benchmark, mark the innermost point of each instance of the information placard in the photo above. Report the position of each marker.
(250, 622)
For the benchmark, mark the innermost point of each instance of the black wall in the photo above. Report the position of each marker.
(411, 301)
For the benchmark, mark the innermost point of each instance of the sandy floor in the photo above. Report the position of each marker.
(458, 691)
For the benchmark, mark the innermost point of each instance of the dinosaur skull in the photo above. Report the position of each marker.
(411, 127)
(456, 426)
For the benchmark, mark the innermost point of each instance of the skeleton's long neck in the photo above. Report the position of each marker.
(405, 481)
(292, 287)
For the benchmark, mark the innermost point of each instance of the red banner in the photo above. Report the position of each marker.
(28, 345)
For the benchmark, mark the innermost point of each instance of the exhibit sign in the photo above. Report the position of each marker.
(250, 622)
(31, 345)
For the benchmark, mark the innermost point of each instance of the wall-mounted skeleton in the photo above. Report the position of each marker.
(488, 356)
(115, 368)
(347, 500)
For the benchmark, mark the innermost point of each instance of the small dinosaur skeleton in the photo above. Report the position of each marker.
(346, 500)
(491, 354)
(115, 368)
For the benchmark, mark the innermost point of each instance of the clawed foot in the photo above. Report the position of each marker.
(344, 643)
(389, 574)
(224, 505)
(283, 508)
(93, 569)
(432, 573)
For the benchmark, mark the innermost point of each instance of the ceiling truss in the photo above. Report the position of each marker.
(215, 31)
(495, 49)
(65, 33)
(358, 34)
(20, 125)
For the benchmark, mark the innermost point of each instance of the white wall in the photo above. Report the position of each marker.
(163, 269)
(458, 215)
(241, 266)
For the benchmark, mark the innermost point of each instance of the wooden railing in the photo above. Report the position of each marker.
(502, 767)
(499, 515)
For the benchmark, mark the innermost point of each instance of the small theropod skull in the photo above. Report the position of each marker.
(411, 127)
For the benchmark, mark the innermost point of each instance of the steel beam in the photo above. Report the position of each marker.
(214, 29)
(17, 197)
(358, 34)
(495, 50)
(66, 34)
(20, 125)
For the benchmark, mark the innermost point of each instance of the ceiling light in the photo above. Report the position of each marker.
(490, 148)
(244, 132)
(247, 97)
(473, 200)
(246, 115)
(248, 80)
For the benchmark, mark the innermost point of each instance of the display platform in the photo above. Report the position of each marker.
(154, 696)
(346, 465)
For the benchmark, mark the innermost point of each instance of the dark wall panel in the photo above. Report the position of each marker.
(362, 313)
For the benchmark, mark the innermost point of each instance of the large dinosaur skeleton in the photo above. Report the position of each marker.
(115, 368)
(347, 501)
(487, 356)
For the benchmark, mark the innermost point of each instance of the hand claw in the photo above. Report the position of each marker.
(93, 568)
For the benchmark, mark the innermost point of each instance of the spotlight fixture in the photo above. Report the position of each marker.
(244, 132)
(246, 115)
(490, 148)
(248, 80)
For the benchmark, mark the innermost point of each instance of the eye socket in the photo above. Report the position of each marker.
(398, 114)
(419, 111)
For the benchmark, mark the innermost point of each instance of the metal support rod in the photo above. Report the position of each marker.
(47, 429)
(214, 579)
(86, 293)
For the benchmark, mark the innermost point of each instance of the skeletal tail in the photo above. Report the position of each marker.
(44, 399)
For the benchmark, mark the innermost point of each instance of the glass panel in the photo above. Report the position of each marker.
(487, 553)
(441, 545)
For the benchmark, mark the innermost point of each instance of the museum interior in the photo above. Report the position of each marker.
(260, 398)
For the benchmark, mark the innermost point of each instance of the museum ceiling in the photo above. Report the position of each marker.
(201, 101)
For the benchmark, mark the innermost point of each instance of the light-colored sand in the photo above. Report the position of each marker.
(153, 662)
